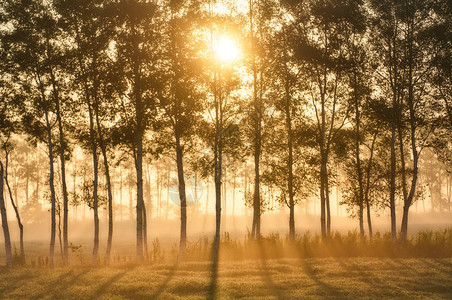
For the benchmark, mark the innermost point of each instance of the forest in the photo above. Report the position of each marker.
(225, 125)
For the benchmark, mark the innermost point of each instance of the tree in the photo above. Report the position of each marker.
(285, 163)
(259, 14)
(136, 47)
(31, 55)
(178, 96)
(325, 27)
(91, 27)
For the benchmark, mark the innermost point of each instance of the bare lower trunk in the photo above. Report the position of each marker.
(218, 157)
(52, 190)
(9, 257)
(16, 210)
(182, 197)
(358, 159)
(64, 185)
(103, 148)
(393, 187)
(256, 229)
(290, 166)
(145, 232)
(95, 183)
(140, 202)
(322, 199)
(327, 204)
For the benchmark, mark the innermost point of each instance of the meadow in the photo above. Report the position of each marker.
(271, 268)
(310, 278)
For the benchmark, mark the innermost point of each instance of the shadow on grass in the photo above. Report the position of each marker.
(266, 273)
(17, 283)
(307, 266)
(212, 290)
(161, 288)
(104, 287)
(360, 273)
(437, 266)
(58, 282)
(312, 274)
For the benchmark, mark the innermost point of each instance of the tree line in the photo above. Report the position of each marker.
(361, 86)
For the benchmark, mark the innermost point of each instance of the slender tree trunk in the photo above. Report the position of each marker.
(366, 195)
(95, 183)
(218, 170)
(358, 158)
(16, 210)
(52, 189)
(103, 149)
(290, 164)
(411, 105)
(145, 232)
(256, 227)
(322, 196)
(9, 256)
(327, 204)
(63, 168)
(182, 196)
(64, 185)
(140, 202)
(393, 186)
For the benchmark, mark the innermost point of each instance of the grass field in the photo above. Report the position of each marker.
(367, 278)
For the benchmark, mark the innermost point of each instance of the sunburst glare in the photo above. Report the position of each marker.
(226, 49)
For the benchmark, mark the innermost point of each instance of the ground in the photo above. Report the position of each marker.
(366, 278)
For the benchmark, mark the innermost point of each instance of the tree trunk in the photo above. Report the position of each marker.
(63, 169)
(358, 158)
(393, 186)
(256, 227)
(52, 189)
(411, 105)
(16, 210)
(95, 183)
(103, 149)
(182, 196)
(140, 202)
(145, 232)
(366, 195)
(322, 197)
(290, 165)
(9, 257)
(64, 187)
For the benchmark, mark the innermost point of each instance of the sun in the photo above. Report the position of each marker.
(226, 49)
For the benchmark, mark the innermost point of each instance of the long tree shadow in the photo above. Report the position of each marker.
(277, 292)
(329, 289)
(212, 290)
(12, 285)
(161, 288)
(103, 287)
(363, 273)
(59, 282)
(312, 274)
(437, 266)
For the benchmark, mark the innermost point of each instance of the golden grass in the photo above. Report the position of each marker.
(313, 278)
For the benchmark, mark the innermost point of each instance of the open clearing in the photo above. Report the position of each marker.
(368, 278)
